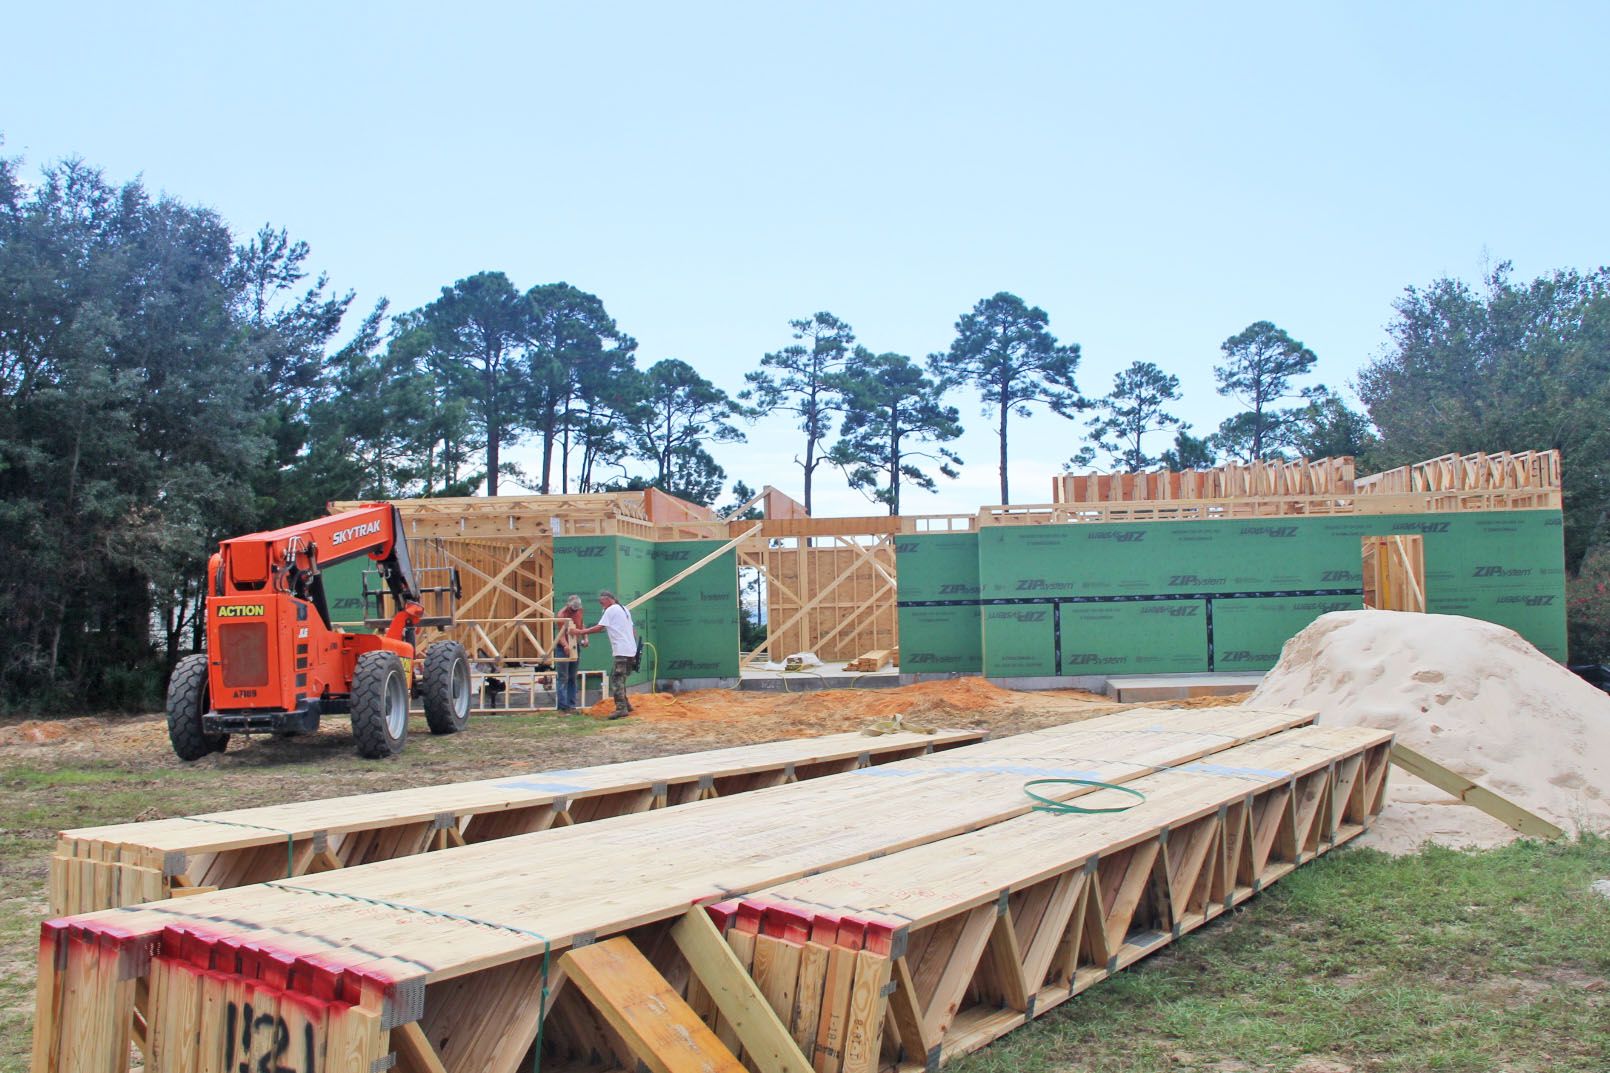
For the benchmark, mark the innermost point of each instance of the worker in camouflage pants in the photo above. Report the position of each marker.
(617, 621)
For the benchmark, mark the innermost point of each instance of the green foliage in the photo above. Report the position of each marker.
(1328, 428)
(1128, 413)
(379, 433)
(576, 360)
(799, 380)
(891, 411)
(1004, 350)
(1513, 366)
(1260, 363)
(1189, 452)
(1587, 616)
(131, 386)
(473, 335)
(741, 494)
(680, 411)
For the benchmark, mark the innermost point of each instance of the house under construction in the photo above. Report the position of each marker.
(1148, 573)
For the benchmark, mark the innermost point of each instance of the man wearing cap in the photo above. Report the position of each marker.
(617, 621)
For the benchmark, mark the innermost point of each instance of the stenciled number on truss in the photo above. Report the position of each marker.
(241, 1018)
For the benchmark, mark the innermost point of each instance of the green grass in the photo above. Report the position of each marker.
(1458, 962)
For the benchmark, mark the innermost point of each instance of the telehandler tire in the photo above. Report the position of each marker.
(446, 687)
(187, 703)
(379, 705)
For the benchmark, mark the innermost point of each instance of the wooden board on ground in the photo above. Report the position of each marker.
(126, 864)
(875, 660)
(1474, 794)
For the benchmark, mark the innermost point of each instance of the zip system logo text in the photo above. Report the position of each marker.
(1499, 571)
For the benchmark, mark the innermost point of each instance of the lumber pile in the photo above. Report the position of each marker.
(1537, 471)
(462, 960)
(1525, 480)
(875, 660)
(126, 864)
(1233, 480)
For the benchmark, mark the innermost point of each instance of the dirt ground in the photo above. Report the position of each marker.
(661, 723)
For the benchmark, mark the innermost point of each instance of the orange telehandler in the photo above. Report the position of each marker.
(274, 663)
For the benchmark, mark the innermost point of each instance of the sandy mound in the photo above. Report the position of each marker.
(1473, 696)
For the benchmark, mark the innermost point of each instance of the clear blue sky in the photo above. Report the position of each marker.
(1156, 177)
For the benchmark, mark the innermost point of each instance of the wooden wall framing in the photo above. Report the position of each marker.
(506, 608)
(1395, 572)
(835, 596)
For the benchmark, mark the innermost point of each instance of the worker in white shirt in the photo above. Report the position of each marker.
(617, 621)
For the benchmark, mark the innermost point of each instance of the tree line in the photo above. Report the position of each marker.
(165, 383)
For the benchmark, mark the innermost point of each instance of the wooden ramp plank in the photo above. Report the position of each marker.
(1472, 793)
(661, 1029)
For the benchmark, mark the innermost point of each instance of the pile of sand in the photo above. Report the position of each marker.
(1471, 695)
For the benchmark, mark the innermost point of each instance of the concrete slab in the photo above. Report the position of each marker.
(1090, 683)
(827, 676)
(1137, 688)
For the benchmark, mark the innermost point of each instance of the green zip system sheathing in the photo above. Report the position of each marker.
(938, 575)
(696, 620)
(343, 592)
(692, 626)
(1159, 597)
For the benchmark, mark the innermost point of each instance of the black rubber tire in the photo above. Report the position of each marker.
(372, 699)
(187, 703)
(447, 703)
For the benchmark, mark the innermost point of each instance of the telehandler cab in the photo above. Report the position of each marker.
(275, 663)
